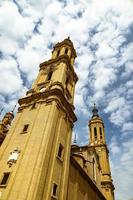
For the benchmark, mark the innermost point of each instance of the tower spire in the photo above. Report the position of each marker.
(14, 108)
(75, 139)
(95, 111)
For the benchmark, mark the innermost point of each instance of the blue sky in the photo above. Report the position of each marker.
(102, 33)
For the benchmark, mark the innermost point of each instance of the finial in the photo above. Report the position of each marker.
(95, 111)
(68, 39)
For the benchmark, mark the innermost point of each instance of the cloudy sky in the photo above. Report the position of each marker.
(102, 33)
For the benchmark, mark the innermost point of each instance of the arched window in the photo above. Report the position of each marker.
(90, 134)
(101, 136)
(95, 132)
(58, 52)
(66, 51)
(67, 81)
(49, 75)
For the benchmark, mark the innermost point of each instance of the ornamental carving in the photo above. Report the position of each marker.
(13, 157)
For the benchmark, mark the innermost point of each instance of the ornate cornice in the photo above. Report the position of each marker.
(63, 58)
(107, 184)
(51, 95)
(96, 120)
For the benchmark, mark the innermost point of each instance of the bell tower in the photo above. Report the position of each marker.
(4, 125)
(58, 73)
(97, 140)
(34, 157)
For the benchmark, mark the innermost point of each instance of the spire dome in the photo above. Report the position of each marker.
(95, 111)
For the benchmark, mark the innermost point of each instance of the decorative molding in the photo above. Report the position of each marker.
(57, 83)
(63, 58)
(50, 95)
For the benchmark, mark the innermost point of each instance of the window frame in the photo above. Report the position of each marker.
(60, 152)
(54, 192)
(25, 128)
(49, 75)
(2, 179)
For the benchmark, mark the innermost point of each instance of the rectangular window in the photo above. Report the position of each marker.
(60, 151)
(5, 179)
(54, 190)
(25, 128)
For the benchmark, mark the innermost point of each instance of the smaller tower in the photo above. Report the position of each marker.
(97, 140)
(96, 127)
(4, 125)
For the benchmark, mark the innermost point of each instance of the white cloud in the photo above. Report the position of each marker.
(121, 115)
(29, 60)
(115, 103)
(104, 77)
(80, 105)
(128, 69)
(105, 51)
(114, 146)
(10, 80)
(127, 52)
(122, 170)
(13, 25)
(128, 127)
(8, 46)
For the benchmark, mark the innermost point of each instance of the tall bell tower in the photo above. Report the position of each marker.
(34, 157)
(97, 140)
(4, 125)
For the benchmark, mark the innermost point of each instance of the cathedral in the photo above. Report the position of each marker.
(37, 159)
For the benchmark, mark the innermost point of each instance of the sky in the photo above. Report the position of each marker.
(102, 34)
